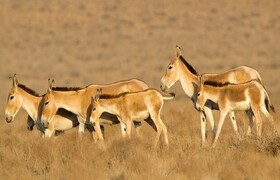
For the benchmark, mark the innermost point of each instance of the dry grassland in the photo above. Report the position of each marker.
(82, 42)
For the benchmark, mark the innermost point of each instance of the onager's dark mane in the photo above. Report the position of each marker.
(217, 84)
(28, 90)
(188, 66)
(112, 96)
(66, 88)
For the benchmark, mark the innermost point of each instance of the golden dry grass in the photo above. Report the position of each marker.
(81, 42)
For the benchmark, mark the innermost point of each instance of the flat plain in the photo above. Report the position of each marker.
(83, 42)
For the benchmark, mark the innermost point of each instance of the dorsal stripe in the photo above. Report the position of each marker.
(66, 88)
(217, 84)
(112, 96)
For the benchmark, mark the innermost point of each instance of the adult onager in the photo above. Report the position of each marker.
(180, 70)
(21, 96)
(132, 106)
(231, 97)
(78, 101)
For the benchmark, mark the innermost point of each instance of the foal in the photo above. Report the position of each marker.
(180, 70)
(78, 100)
(250, 95)
(132, 106)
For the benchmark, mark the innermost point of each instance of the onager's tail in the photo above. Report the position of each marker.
(268, 103)
(259, 77)
(168, 96)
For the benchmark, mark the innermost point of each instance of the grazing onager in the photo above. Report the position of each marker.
(231, 97)
(132, 106)
(180, 70)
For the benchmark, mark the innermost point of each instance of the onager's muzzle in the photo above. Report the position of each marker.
(163, 87)
(9, 119)
(45, 124)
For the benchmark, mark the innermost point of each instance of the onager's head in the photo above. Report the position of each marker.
(201, 98)
(171, 75)
(49, 107)
(96, 108)
(14, 101)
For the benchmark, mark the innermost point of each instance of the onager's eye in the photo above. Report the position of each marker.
(198, 94)
(93, 109)
(170, 67)
(11, 97)
(46, 103)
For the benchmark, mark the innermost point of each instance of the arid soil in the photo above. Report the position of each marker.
(83, 42)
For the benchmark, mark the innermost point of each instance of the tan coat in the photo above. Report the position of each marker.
(78, 100)
(133, 106)
(250, 96)
(180, 70)
(21, 96)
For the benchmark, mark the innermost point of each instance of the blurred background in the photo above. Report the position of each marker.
(82, 42)
(96, 41)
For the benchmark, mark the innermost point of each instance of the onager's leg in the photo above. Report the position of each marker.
(221, 122)
(202, 128)
(137, 126)
(123, 127)
(30, 123)
(95, 135)
(128, 127)
(268, 116)
(98, 131)
(164, 129)
(209, 116)
(160, 126)
(251, 121)
(151, 123)
(258, 120)
(81, 125)
(234, 124)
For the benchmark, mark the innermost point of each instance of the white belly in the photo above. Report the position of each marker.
(63, 125)
(243, 105)
(137, 116)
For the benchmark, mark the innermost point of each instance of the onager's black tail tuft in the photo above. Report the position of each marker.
(272, 108)
(268, 105)
(172, 94)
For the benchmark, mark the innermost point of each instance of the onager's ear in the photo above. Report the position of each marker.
(92, 100)
(14, 79)
(98, 93)
(178, 51)
(50, 85)
(201, 82)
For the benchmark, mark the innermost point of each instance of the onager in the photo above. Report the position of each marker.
(231, 97)
(21, 96)
(132, 106)
(180, 70)
(78, 99)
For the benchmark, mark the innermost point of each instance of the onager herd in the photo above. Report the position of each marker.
(131, 101)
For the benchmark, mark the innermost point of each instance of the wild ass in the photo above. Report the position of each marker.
(21, 96)
(180, 70)
(131, 106)
(231, 97)
(78, 100)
